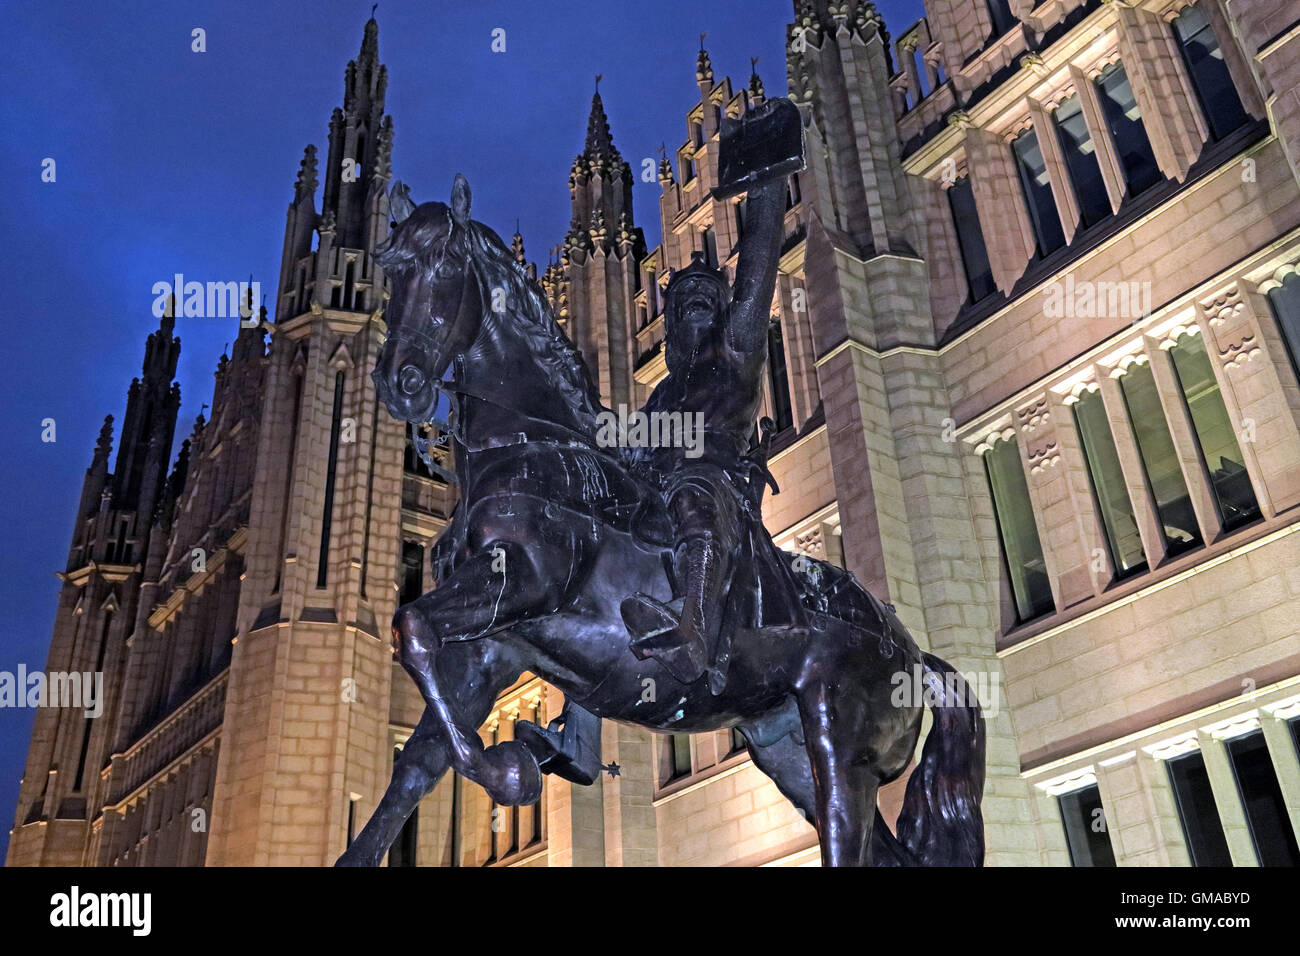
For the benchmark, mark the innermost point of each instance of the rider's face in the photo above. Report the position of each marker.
(698, 304)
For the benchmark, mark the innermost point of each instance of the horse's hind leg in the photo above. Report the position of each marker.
(786, 763)
(844, 785)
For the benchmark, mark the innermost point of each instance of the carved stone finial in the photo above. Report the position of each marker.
(703, 66)
(756, 92)
(306, 184)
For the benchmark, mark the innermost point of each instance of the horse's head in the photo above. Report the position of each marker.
(435, 301)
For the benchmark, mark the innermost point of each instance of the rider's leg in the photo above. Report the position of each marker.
(707, 529)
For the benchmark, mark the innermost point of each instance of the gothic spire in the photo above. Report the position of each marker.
(600, 142)
(517, 246)
(370, 40)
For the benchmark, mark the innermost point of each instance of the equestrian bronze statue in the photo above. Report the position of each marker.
(610, 569)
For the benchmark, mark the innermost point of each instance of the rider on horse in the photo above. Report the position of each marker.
(715, 345)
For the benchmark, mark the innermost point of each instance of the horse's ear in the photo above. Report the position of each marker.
(399, 201)
(460, 200)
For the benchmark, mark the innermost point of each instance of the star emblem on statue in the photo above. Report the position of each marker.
(612, 769)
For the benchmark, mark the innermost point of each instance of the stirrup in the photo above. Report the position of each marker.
(562, 753)
(646, 617)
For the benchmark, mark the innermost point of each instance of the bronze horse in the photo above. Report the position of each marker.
(553, 531)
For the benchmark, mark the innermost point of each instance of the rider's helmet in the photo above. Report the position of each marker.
(686, 317)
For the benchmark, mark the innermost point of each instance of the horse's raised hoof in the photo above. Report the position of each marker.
(510, 774)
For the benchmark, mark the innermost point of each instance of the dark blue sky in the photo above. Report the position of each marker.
(174, 161)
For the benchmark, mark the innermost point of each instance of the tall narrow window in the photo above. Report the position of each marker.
(677, 757)
(1209, 72)
(710, 243)
(1234, 498)
(1000, 14)
(516, 811)
(88, 726)
(793, 194)
(1160, 460)
(412, 571)
(1021, 548)
(1038, 193)
(1108, 488)
(327, 514)
(737, 742)
(970, 240)
(922, 77)
(1261, 797)
(1197, 811)
(537, 807)
(778, 378)
(1124, 119)
(1081, 160)
(1085, 828)
(494, 813)
(298, 385)
(1285, 303)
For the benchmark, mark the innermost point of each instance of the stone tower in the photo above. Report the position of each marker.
(907, 527)
(304, 752)
(603, 250)
(61, 786)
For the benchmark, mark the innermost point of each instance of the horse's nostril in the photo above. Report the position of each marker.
(411, 380)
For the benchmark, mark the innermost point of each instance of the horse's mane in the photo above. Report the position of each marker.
(495, 267)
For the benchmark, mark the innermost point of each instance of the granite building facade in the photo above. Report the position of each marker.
(1033, 357)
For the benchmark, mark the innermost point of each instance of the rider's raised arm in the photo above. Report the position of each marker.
(751, 298)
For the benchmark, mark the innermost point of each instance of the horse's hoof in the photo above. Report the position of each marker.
(511, 775)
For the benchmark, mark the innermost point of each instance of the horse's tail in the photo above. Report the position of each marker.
(941, 823)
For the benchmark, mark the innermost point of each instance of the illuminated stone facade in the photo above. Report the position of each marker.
(1033, 355)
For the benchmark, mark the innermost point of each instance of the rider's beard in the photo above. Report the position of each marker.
(691, 326)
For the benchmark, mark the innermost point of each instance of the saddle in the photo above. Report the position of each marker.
(765, 588)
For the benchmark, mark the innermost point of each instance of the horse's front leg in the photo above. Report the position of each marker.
(489, 591)
(416, 771)
(476, 673)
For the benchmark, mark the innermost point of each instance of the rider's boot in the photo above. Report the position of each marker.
(686, 644)
(572, 752)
